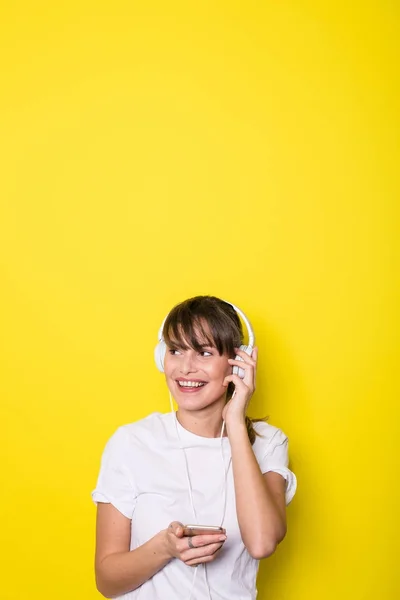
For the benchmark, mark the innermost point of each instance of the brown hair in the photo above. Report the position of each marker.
(184, 327)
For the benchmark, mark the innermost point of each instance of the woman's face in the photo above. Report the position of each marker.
(195, 379)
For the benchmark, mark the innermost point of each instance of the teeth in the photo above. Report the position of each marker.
(190, 383)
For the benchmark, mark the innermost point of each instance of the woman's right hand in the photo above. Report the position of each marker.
(195, 549)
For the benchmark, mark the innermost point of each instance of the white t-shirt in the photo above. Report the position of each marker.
(143, 474)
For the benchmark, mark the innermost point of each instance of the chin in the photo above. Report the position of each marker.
(195, 402)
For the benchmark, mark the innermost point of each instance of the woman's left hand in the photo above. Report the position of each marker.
(235, 409)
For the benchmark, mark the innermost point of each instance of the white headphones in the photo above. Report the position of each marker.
(161, 348)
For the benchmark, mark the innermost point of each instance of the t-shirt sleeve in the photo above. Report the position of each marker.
(114, 484)
(276, 459)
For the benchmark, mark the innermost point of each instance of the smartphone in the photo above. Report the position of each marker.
(191, 530)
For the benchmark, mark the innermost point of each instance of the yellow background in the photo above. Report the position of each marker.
(154, 151)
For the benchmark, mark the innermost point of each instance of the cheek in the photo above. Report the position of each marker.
(168, 366)
(222, 370)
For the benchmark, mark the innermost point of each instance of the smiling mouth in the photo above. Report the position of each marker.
(191, 384)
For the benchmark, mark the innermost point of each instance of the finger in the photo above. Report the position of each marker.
(239, 383)
(197, 541)
(247, 368)
(202, 559)
(200, 553)
(205, 540)
(176, 528)
(246, 357)
(255, 357)
(240, 363)
(249, 371)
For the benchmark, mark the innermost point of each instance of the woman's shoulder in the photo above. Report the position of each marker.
(133, 439)
(268, 434)
(155, 424)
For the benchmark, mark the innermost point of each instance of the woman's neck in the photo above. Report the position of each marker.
(205, 423)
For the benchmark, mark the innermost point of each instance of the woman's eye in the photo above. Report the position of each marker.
(173, 351)
(206, 353)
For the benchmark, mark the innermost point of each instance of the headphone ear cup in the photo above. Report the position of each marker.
(237, 370)
(159, 355)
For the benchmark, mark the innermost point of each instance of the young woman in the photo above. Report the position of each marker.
(206, 464)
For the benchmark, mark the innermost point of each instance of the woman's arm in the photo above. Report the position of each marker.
(120, 570)
(260, 499)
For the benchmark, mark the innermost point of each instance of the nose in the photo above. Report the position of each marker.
(188, 364)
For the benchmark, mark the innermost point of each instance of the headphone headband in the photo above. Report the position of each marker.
(236, 309)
